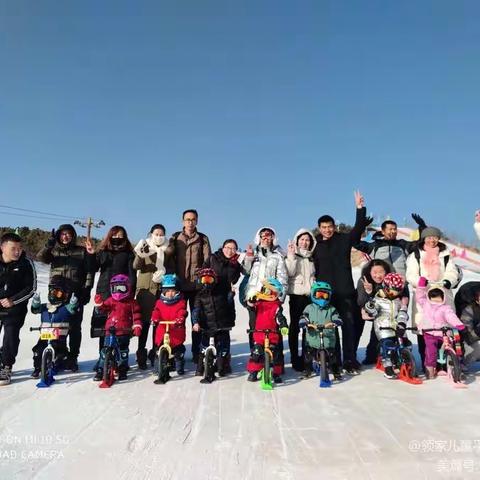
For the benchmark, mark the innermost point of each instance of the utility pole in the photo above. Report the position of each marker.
(88, 224)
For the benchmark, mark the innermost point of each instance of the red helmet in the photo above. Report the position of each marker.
(394, 281)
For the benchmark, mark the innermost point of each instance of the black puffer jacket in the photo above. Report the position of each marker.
(110, 263)
(212, 310)
(332, 257)
(71, 262)
(227, 272)
(18, 282)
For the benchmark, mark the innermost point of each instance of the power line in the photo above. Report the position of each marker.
(26, 215)
(37, 211)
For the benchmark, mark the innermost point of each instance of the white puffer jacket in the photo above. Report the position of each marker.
(264, 264)
(300, 267)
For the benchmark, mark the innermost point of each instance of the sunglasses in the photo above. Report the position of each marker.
(321, 294)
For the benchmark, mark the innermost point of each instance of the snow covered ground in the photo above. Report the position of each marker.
(367, 427)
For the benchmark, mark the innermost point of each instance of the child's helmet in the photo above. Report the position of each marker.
(321, 293)
(120, 287)
(393, 284)
(206, 277)
(169, 281)
(271, 289)
(58, 293)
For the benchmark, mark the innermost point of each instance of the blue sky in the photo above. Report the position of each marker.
(254, 112)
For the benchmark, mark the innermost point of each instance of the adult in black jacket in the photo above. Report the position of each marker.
(17, 284)
(75, 264)
(387, 247)
(115, 256)
(331, 257)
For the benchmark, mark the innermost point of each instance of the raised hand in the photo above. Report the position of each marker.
(89, 246)
(419, 220)
(249, 250)
(291, 248)
(52, 239)
(359, 200)
(367, 285)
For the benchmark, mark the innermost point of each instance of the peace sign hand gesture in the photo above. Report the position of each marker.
(359, 200)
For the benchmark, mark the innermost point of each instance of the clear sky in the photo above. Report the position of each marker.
(253, 112)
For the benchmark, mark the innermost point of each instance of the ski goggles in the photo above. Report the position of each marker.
(119, 288)
(207, 280)
(57, 293)
(320, 294)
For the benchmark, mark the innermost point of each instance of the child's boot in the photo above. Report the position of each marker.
(430, 373)
(200, 371)
(122, 372)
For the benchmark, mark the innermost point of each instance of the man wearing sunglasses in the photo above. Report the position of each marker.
(331, 257)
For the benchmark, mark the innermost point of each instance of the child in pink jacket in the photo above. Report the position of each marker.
(436, 314)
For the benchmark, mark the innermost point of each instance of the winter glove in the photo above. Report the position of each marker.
(234, 259)
(179, 323)
(98, 301)
(36, 301)
(368, 221)
(137, 330)
(422, 282)
(402, 317)
(338, 322)
(371, 309)
(51, 240)
(230, 297)
(447, 284)
(303, 321)
(72, 304)
(419, 221)
(157, 277)
(401, 329)
(284, 331)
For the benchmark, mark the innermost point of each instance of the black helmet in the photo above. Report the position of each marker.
(58, 292)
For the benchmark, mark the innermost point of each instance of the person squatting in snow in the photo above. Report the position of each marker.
(170, 307)
(320, 312)
(58, 314)
(123, 317)
(390, 318)
(436, 314)
(269, 315)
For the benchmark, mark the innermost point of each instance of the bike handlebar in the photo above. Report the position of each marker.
(394, 329)
(442, 329)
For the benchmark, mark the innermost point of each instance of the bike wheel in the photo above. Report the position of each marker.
(162, 366)
(406, 358)
(453, 366)
(47, 365)
(209, 365)
(323, 366)
(109, 367)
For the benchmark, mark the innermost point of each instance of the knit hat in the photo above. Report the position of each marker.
(430, 232)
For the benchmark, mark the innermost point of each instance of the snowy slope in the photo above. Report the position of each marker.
(364, 428)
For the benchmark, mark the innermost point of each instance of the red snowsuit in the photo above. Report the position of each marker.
(170, 312)
(122, 314)
(268, 316)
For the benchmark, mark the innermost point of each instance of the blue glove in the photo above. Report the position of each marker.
(338, 322)
(302, 322)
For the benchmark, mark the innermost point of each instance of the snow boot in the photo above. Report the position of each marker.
(252, 377)
(151, 356)
(390, 373)
(122, 371)
(142, 359)
(180, 364)
(200, 366)
(99, 375)
(71, 363)
(430, 373)
(35, 373)
(277, 378)
(5, 375)
(223, 365)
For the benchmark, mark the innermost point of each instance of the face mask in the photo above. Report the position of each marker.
(158, 240)
(117, 242)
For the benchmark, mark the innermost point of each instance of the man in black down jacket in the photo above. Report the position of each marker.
(332, 264)
(18, 283)
(73, 263)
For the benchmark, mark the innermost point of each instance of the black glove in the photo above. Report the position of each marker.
(447, 284)
(52, 240)
(419, 220)
(401, 328)
(368, 221)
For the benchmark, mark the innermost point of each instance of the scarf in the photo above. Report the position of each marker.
(431, 263)
(159, 250)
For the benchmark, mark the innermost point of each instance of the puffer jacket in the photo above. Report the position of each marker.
(268, 316)
(436, 315)
(213, 310)
(18, 281)
(170, 312)
(227, 270)
(320, 316)
(71, 262)
(122, 314)
(300, 267)
(415, 271)
(265, 263)
(386, 314)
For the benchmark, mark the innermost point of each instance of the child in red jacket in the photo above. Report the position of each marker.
(171, 307)
(123, 313)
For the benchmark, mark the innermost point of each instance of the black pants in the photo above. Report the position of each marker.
(421, 349)
(372, 350)
(222, 342)
(196, 336)
(349, 313)
(297, 305)
(146, 300)
(59, 345)
(11, 338)
(75, 332)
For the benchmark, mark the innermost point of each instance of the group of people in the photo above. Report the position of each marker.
(157, 281)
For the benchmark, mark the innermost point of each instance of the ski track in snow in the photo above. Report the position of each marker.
(360, 428)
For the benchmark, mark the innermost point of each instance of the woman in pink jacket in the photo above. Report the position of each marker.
(436, 314)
